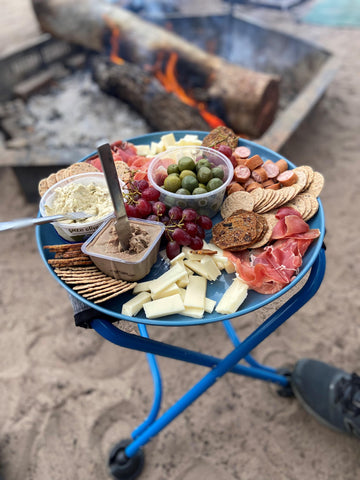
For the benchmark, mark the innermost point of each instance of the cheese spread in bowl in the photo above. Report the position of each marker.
(85, 192)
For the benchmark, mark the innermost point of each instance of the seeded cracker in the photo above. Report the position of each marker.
(237, 201)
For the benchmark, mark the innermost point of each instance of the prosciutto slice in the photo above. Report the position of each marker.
(268, 270)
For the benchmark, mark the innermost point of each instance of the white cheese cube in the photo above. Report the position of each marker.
(135, 304)
(164, 306)
(233, 297)
(168, 140)
(143, 150)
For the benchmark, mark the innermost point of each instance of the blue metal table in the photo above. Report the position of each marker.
(127, 458)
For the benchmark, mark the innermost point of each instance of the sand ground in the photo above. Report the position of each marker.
(67, 395)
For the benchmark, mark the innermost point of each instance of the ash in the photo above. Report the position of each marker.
(77, 113)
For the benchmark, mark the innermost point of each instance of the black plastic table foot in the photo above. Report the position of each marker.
(123, 467)
(286, 391)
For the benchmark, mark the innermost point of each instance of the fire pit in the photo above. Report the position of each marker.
(55, 67)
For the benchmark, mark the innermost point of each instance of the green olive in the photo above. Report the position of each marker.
(218, 172)
(172, 183)
(189, 182)
(204, 174)
(186, 163)
(213, 184)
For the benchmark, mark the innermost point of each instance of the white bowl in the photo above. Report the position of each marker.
(79, 231)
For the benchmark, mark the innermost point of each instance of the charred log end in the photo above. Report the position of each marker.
(267, 108)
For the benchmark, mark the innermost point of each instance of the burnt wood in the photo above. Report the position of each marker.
(247, 101)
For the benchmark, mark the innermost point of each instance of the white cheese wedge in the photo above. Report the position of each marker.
(178, 258)
(193, 312)
(171, 290)
(135, 304)
(195, 292)
(209, 305)
(143, 286)
(164, 306)
(168, 140)
(174, 274)
(143, 150)
(210, 265)
(233, 297)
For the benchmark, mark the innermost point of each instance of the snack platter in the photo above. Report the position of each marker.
(46, 235)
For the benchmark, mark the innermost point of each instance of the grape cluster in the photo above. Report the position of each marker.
(182, 226)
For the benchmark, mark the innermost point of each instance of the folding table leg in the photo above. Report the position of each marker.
(222, 366)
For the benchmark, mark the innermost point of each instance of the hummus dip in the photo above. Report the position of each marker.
(78, 197)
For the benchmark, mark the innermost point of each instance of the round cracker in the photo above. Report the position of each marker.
(237, 201)
(257, 195)
(61, 174)
(81, 167)
(271, 221)
(43, 186)
(302, 179)
(317, 184)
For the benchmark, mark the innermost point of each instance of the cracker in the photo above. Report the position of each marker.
(271, 220)
(125, 289)
(309, 171)
(51, 180)
(61, 174)
(235, 231)
(317, 184)
(302, 179)
(257, 195)
(43, 186)
(313, 205)
(123, 171)
(268, 198)
(237, 201)
(299, 204)
(81, 167)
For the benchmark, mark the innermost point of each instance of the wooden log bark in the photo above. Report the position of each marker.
(247, 101)
(130, 83)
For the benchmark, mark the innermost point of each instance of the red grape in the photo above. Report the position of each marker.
(204, 222)
(143, 207)
(189, 214)
(131, 211)
(150, 193)
(225, 150)
(159, 208)
(175, 213)
(172, 250)
(191, 228)
(153, 218)
(142, 185)
(196, 243)
(181, 237)
(200, 231)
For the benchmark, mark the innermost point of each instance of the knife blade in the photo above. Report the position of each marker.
(122, 224)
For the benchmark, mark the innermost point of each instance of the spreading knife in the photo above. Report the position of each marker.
(122, 224)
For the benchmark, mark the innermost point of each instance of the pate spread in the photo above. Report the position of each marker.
(77, 197)
(107, 241)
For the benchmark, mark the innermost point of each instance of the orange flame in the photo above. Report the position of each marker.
(114, 42)
(170, 83)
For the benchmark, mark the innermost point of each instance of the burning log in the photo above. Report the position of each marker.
(245, 100)
(143, 92)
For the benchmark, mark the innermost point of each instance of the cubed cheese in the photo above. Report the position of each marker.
(233, 297)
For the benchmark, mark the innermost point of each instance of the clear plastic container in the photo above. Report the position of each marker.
(206, 203)
(79, 231)
(119, 268)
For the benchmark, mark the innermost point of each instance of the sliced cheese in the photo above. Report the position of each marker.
(209, 305)
(233, 297)
(212, 268)
(193, 312)
(168, 140)
(164, 306)
(171, 290)
(135, 304)
(195, 292)
(174, 274)
(178, 258)
(143, 286)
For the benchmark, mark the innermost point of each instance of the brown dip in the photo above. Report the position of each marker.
(107, 241)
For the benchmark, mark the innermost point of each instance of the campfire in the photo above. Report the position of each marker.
(103, 72)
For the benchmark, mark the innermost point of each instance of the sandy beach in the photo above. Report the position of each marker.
(67, 395)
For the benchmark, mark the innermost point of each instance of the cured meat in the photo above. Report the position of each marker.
(270, 269)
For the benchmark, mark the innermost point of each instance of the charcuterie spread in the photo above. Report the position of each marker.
(257, 236)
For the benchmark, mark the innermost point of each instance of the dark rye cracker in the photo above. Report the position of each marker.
(237, 231)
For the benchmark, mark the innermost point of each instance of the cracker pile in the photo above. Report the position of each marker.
(74, 169)
(122, 169)
(76, 269)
